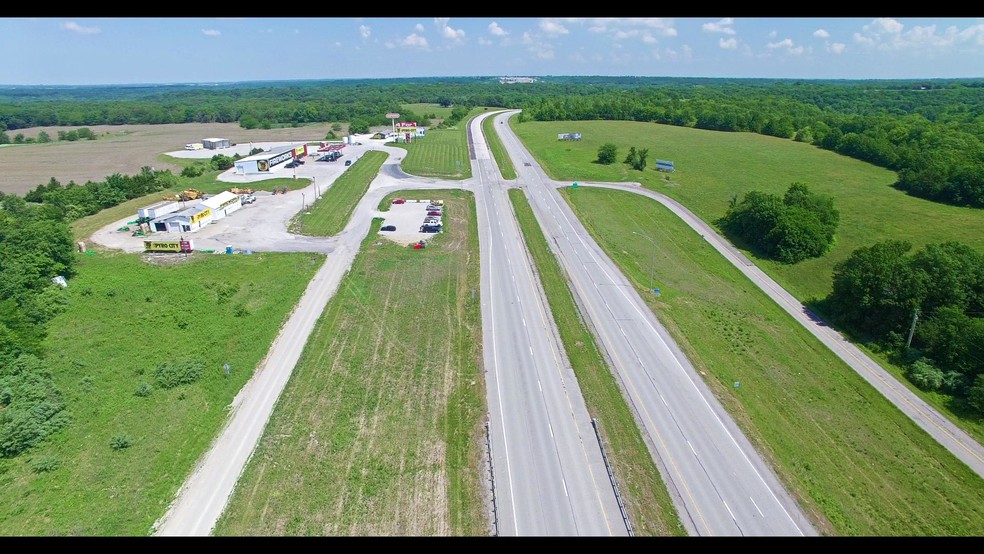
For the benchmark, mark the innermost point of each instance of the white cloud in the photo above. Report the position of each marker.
(544, 53)
(773, 34)
(414, 40)
(527, 38)
(720, 26)
(836, 47)
(447, 31)
(638, 26)
(821, 33)
(889, 34)
(419, 27)
(211, 32)
(496, 30)
(338, 44)
(484, 41)
(266, 31)
(364, 31)
(552, 27)
(728, 44)
(788, 45)
(73, 26)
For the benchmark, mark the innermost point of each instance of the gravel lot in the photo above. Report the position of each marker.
(407, 218)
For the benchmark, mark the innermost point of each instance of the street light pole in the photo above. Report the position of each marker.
(652, 265)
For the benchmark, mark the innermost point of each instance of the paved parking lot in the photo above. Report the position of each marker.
(407, 218)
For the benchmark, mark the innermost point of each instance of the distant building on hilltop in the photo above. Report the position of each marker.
(511, 80)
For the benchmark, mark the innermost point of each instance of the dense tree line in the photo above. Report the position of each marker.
(936, 295)
(789, 228)
(35, 246)
(930, 132)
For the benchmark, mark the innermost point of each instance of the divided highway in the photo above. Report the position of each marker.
(721, 485)
(549, 474)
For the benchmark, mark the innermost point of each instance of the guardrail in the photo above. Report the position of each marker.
(611, 477)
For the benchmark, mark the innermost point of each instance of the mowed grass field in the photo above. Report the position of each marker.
(643, 491)
(125, 317)
(857, 464)
(380, 430)
(328, 215)
(712, 167)
(443, 153)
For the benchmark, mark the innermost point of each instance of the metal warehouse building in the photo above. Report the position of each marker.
(223, 204)
(216, 143)
(185, 221)
(159, 209)
(264, 161)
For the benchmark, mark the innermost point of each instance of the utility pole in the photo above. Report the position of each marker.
(652, 266)
(915, 317)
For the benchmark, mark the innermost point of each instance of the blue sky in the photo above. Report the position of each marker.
(78, 51)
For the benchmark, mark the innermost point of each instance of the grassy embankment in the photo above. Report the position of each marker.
(498, 150)
(857, 464)
(124, 318)
(379, 431)
(712, 167)
(329, 214)
(643, 491)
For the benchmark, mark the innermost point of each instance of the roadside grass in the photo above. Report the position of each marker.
(858, 466)
(643, 491)
(125, 317)
(380, 430)
(329, 214)
(502, 159)
(712, 167)
(443, 153)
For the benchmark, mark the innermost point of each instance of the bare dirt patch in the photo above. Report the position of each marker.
(122, 149)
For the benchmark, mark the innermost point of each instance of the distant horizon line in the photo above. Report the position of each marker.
(219, 83)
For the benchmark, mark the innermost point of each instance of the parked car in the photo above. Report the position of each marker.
(433, 212)
(291, 165)
(248, 199)
(434, 208)
(432, 221)
(430, 229)
(388, 228)
(348, 162)
(399, 201)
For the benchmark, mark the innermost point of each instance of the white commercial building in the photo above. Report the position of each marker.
(185, 221)
(223, 204)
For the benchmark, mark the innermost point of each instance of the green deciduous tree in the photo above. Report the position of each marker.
(607, 153)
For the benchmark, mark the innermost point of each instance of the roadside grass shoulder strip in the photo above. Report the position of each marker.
(857, 465)
(329, 214)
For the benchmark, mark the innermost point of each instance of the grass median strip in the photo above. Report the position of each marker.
(856, 463)
(328, 215)
(502, 159)
(649, 505)
(379, 430)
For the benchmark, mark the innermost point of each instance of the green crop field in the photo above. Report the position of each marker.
(502, 159)
(858, 465)
(125, 317)
(643, 491)
(712, 167)
(329, 214)
(379, 431)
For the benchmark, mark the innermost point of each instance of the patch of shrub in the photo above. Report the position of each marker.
(45, 464)
(168, 375)
(143, 390)
(925, 375)
(120, 442)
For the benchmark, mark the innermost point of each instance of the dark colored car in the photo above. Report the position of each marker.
(348, 162)
(432, 212)
(388, 228)
(430, 229)
(291, 165)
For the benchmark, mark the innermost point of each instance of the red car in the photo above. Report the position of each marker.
(399, 201)
(438, 214)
